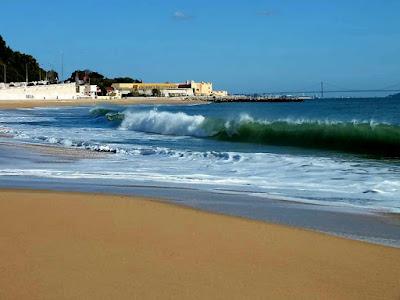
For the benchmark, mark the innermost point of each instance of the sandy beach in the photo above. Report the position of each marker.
(200, 151)
(89, 246)
(9, 104)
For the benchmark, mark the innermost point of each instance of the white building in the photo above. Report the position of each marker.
(62, 91)
(51, 91)
(87, 91)
(180, 92)
(220, 93)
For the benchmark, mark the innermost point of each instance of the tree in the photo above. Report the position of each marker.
(156, 92)
(52, 76)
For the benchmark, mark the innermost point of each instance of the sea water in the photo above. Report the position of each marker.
(332, 152)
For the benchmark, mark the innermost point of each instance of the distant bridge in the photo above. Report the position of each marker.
(322, 90)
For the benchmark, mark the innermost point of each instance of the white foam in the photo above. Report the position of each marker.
(154, 121)
(156, 157)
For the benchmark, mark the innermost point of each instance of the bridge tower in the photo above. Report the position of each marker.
(322, 89)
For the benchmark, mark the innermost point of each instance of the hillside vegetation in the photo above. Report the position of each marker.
(16, 64)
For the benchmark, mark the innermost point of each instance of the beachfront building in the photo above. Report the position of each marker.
(187, 89)
(201, 88)
(87, 91)
(178, 92)
(111, 93)
(153, 89)
(17, 91)
(43, 90)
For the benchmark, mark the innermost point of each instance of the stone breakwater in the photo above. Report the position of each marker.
(249, 99)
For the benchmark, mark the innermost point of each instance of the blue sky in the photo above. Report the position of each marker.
(242, 46)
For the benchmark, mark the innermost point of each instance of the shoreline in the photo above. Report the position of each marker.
(345, 221)
(358, 225)
(10, 104)
(63, 245)
(372, 226)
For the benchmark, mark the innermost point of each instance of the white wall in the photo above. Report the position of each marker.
(177, 92)
(39, 92)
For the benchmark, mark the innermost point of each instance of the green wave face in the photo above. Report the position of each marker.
(109, 114)
(100, 111)
(366, 138)
(380, 140)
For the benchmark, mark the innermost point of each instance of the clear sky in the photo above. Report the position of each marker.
(242, 46)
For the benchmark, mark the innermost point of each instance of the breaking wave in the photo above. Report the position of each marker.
(354, 137)
(169, 123)
(363, 137)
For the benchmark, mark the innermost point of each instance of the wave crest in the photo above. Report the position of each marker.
(355, 137)
(169, 123)
(366, 137)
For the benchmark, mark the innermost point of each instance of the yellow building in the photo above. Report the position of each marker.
(143, 86)
(199, 88)
(202, 88)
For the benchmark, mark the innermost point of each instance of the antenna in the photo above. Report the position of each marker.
(62, 66)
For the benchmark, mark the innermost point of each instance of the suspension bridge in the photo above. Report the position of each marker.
(324, 88)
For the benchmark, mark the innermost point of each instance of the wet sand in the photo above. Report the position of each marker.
(9, 104)
(89, 246)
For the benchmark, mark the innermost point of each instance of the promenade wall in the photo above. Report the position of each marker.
(53, 91)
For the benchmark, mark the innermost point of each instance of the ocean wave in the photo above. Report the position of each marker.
(365, 137)
(356, 137)
(101, 111)
(154, 121)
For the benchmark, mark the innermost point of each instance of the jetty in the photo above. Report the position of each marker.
(258, 99)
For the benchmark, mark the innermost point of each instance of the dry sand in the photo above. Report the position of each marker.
(8, 104)
(87, 246)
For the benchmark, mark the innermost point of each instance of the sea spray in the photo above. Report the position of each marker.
(169, 123)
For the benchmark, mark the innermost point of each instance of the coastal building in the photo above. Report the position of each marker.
(87, 91)
(187, 89)
(51, 91)
(43, 90)
(111, 93)
(202, 88)
(150, 89)
(178, 93)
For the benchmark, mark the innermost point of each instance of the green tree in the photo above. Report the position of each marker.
(156, 92)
